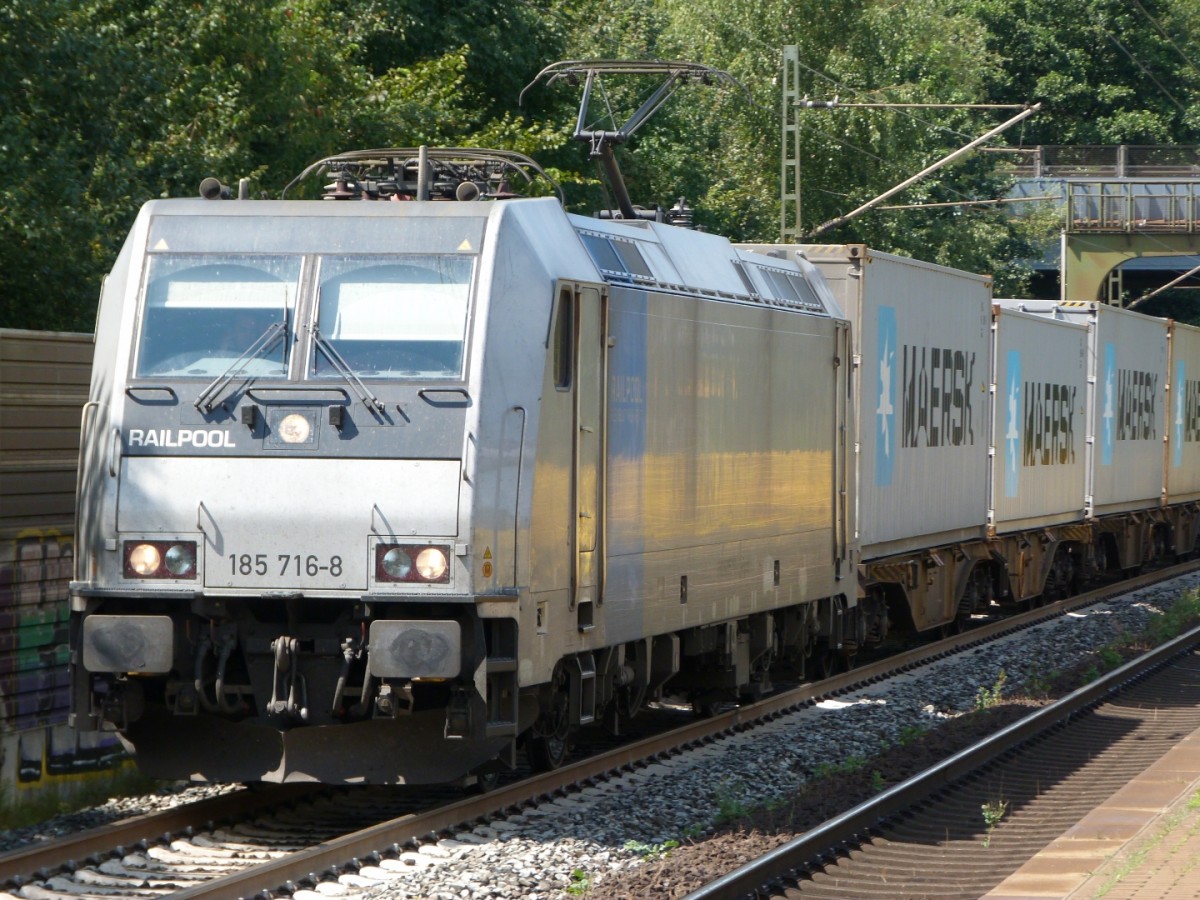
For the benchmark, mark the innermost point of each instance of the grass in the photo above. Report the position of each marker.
(987, 697)
(1138, 856)
(848, 765)
(729, 808)
(651, 852)
(580, 884)
(19, 809)
(993, 812)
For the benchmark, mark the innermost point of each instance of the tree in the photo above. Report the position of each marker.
(1106, 69)
(105, 104)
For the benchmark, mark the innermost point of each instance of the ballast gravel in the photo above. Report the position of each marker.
(569, 847)
(113, 810)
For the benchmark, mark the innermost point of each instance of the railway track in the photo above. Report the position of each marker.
(958, 829)
(283, 843)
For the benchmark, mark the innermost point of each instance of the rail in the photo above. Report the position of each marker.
(819, 843)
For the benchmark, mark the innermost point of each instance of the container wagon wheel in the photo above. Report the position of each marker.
(962, 615)
(825, 661)
(1050, 590)
(1160, 541)
(977, 598)
(1101, 556)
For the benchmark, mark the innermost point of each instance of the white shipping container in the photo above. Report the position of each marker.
(1127, 362)
(1039, 436)
(1183, 433)
(922, 348)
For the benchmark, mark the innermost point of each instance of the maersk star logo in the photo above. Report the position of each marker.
(884, 410)
(1108, 413)
(1012, 433)
(885, 407)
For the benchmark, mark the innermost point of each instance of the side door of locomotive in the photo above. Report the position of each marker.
(589, 365)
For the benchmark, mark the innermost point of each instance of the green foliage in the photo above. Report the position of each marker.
(1183, 614)
(580, 884)
(1103, 68)
(651, 852)
(18, 811)
(846, 766)
(105, 104)
(910, 733)
(993, 812)
(1110, 658)
(1039, 679)
(987, 697)
(729, 807)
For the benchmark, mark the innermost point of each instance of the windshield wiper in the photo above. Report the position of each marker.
(211, 395)
(342, 368)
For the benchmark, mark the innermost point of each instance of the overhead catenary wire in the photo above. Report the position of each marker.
(754, 39)
(1137, 62)
(902, 109)
(1170, 284)
(975, 202)
(1166, 36)
(835, 103)
(840, 220)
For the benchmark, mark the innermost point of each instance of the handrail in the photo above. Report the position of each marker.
(1133, 206)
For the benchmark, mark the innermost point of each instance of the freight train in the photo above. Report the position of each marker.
(386, 486)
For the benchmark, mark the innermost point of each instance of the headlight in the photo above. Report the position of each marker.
(397, 564)
(295, 429)
(160, 559)
(431, 564)
(181, 560)
(412, 563)
(144, 560)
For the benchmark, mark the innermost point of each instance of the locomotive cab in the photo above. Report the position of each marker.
(278, 502)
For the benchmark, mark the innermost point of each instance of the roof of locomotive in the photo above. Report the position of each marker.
(645, 254)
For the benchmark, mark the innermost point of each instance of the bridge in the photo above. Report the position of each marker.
(1121, 203)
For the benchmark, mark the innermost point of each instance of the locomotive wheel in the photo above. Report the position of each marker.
(547, 746)
(705, 707)
(485, 782)
(546, 752)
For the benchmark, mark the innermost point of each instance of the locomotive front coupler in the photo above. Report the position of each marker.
(118, 701)
(393, 701)
(287, 672)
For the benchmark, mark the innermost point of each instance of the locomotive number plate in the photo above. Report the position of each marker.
(277, 570)
(284, 565)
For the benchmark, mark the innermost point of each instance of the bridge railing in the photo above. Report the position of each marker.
(1133, 206)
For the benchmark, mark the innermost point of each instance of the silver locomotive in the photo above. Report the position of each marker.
(378, 492)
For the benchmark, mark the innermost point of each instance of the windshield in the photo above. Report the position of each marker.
(203, 312)
(392, 317)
